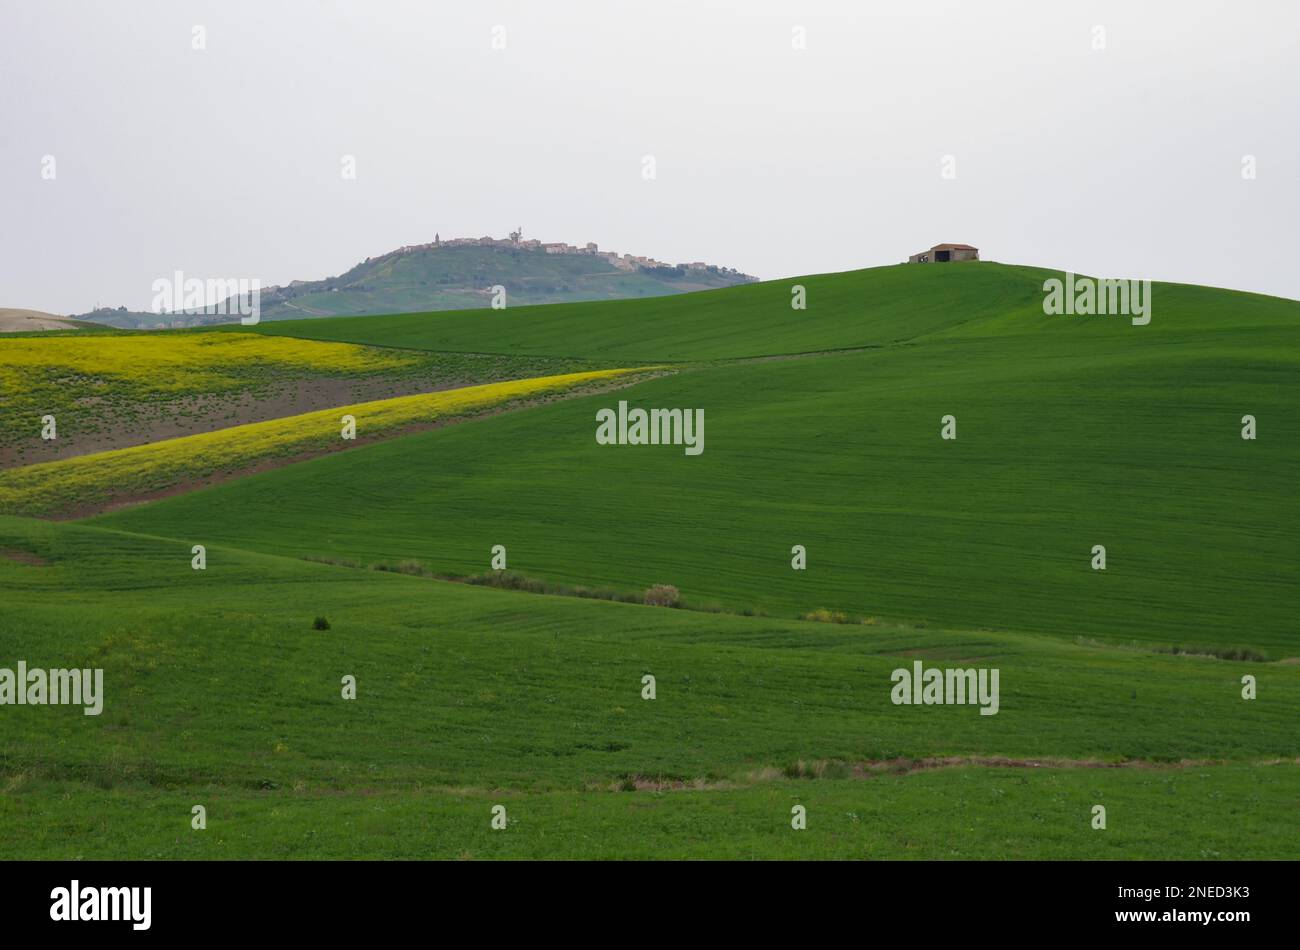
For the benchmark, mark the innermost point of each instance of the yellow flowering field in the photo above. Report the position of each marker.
(191, 362)
(77, 484)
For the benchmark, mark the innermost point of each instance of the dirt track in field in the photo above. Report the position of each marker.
(905, 766)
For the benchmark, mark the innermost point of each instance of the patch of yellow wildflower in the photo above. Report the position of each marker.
(192, 362)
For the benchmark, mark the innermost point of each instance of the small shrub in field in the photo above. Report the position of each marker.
(837, 769)
(822, 615)
(336, 561)
(508, 580)
(320, 624)
(663, 595)
(414, 568)
(823, 768)
(1223, 653)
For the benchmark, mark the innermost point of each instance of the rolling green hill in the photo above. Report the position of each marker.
(1070, 435)
(868, 308)
(855, 309)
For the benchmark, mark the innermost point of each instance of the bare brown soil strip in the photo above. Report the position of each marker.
(958, 654)
(26, 558)
(903, 766)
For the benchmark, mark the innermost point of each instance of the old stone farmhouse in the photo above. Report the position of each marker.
(943, 253)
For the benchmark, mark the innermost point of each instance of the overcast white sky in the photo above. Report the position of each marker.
(225, 162)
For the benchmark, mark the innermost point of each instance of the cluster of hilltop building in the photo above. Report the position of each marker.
(516, 240)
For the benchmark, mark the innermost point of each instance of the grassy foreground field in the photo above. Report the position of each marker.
(221, 693)
(970, 553)
(1227, 812)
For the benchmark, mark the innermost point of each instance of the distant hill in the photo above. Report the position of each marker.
(17, 320)
(459, 275)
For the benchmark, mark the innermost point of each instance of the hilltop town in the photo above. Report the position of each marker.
(627, 262)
